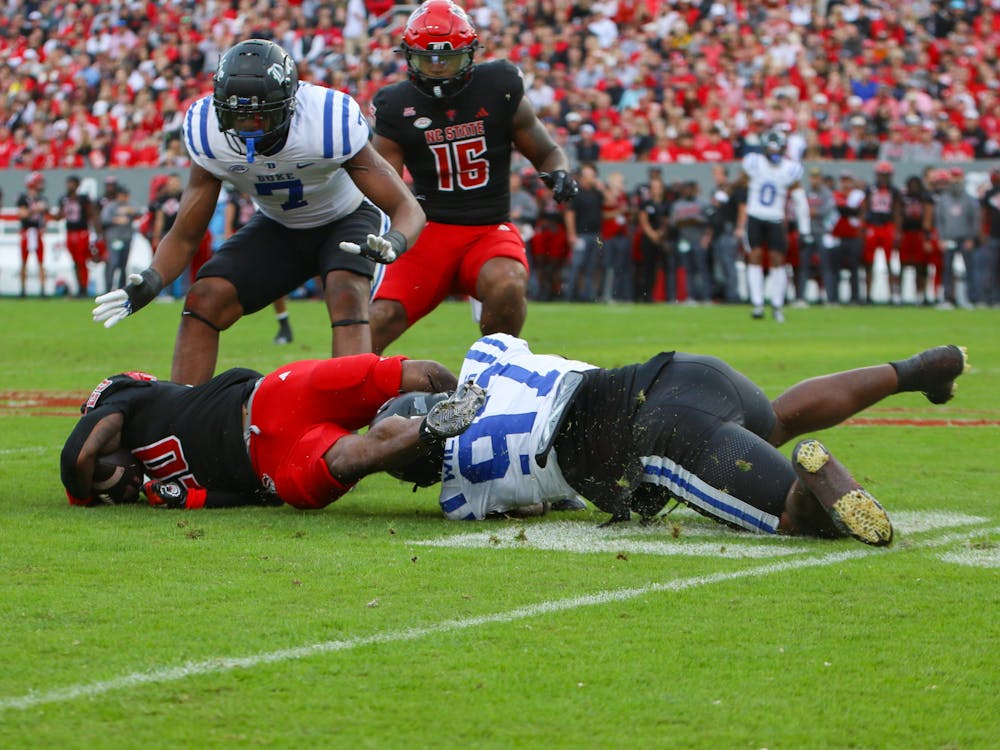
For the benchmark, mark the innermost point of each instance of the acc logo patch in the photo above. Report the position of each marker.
(422, 122)
(239, 168)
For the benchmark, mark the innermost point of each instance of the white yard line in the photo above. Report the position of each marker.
(223, 664)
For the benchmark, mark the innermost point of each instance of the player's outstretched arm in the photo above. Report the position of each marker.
(173, 253)
(533, 140)
(380, 182)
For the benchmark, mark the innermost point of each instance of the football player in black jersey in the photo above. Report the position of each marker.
(453, 125)
(247, 439)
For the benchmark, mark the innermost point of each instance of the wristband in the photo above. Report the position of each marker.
(143, 293)
(398, 241)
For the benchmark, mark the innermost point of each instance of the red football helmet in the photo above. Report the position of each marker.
(439, 43)
(34, 181)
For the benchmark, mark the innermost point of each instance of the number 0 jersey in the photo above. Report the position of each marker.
(189, 434)
(767, 190)
(491, 467)
(303, 185)
(457, 150)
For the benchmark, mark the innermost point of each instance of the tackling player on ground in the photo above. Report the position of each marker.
(453, 125)
(302, 153)
(770, 178)
(679, 427)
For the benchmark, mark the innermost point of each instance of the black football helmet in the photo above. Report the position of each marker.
(254, 95)
(774, 142)
(424, 470)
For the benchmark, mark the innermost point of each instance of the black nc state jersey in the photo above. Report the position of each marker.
(193, 435)
(457, 150)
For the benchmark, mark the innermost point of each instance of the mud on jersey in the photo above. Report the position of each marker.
(491, 467)
(303, 185)
(767, 189)
(458, 150)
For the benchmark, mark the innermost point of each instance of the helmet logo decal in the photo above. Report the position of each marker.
(277, 72)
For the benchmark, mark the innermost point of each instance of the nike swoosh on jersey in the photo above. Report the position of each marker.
(304, 164)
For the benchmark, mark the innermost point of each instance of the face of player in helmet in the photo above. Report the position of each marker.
(254, 95)
(439, 42)
(442, 64)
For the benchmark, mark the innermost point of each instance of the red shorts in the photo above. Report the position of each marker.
(32, 240)
(915, 248)
(550, 243)
(302, 409)
(879, 236)
(792, 256)
(78, 244)
(446, 260)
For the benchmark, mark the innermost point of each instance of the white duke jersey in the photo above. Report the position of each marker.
(491, 467)
(767, 189)
(303, 185)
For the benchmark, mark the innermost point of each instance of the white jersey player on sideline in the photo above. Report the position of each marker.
(770, 178)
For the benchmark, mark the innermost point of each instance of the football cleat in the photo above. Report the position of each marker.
(933, 372)
(453, 415)
(757, 313)
(779, 315)
(853, 511)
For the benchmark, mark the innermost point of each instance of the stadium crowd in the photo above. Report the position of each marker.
(106, 84)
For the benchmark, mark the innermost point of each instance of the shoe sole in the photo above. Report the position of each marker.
(454, 415)
(946, 392)
(853, 511)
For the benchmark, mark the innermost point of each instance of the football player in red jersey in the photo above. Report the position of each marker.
(244, 438)
(453, 125)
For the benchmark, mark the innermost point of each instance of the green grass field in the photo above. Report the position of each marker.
(377, 624)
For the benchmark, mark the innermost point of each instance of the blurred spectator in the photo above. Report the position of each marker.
(117, 218)
(689, 216)
(989, 266)
(584, 215)
(108, 83)
(956, 217)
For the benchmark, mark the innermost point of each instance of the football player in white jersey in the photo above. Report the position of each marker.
(302, 153)
(770, 178)
(679, 427)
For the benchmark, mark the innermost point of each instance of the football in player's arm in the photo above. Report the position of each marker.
(329, 205)
(679, 427)
(453, 125)
(245, 439)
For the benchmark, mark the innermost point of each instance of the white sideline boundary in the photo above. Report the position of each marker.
(227, 664)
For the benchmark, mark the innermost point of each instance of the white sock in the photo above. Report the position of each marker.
(777, 280)
(755, 282)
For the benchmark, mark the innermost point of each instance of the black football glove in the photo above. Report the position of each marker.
(561, 183)
(138, 292)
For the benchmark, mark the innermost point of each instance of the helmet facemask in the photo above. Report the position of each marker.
(254, 96)
(440, 73)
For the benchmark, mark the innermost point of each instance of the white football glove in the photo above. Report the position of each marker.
(381, 249)
(378, 249)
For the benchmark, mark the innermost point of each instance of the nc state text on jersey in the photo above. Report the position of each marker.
(455, 132)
